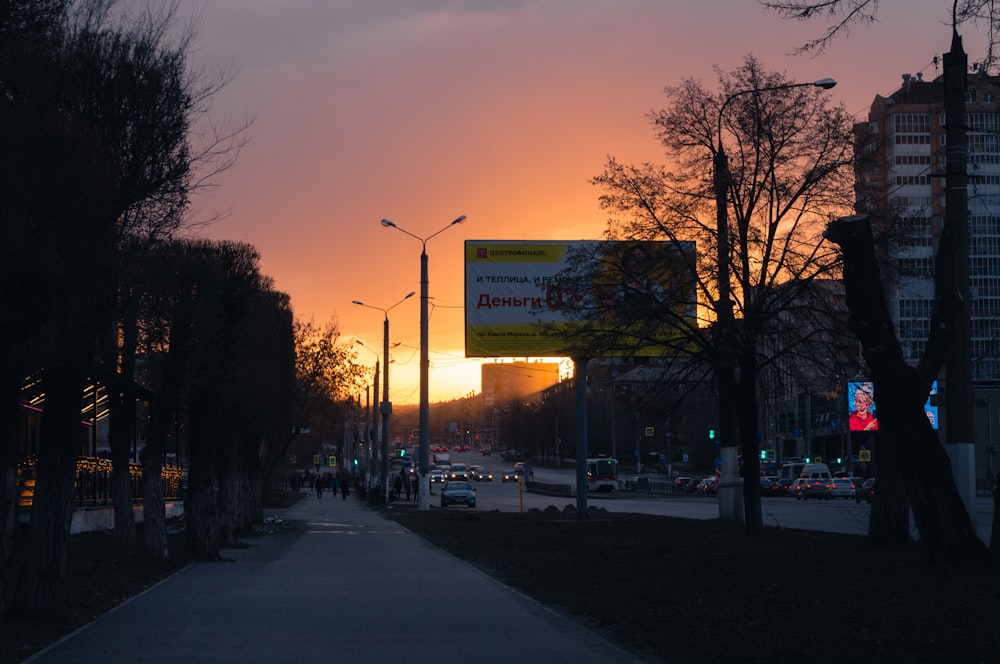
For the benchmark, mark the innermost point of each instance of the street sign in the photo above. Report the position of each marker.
(649, 432)
(864, 456)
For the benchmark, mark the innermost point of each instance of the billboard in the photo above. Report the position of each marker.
(861, 404)
(558, 298)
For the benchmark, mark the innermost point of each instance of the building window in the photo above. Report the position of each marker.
(912, 123)
(915, 308)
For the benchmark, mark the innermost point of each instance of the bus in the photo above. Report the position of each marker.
(602, 474)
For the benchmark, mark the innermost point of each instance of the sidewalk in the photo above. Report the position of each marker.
(354, 587)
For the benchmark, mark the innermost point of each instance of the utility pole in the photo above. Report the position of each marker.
(958, 395)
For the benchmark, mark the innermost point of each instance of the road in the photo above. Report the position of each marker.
(839, 515)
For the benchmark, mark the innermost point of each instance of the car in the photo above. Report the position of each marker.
(483, 475)
(510, 476)
(681, 483)
(866, 493)
(458, 472)
(437, 476)
(816, 487)
(781, 486)
(842, 487)
(458, 493)
(765, 485)
(708, 486)
(795, 488)
(519, 468)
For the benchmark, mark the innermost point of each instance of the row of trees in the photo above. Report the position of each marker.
(98, 159)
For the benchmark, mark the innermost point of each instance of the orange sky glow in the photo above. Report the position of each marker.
(423, 110)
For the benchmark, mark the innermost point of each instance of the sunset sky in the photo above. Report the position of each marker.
(423, 110)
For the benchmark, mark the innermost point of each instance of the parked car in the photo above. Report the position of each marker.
(458, 493)
(842, 487)
(867, 491)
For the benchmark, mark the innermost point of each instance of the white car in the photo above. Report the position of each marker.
(436, 476)
(842, 487)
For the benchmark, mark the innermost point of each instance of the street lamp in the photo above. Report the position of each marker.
(726, 320)
(424, 501)
(385, 408)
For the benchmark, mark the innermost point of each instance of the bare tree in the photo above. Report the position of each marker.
(841, 15)
(790, 155)
(910, 449)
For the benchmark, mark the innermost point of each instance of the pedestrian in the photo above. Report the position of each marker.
(319, 485)
(397, 486)
(406, 484)
(344, 486)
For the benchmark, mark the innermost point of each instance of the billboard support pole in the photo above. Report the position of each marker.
(580, 378)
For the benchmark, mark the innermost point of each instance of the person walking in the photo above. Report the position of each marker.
(319, 485)
(344, 486)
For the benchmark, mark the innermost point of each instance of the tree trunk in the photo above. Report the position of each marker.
(228, 474)
(946, 531)
(121, 439)
(10, 392)
(161, 417)
(40, 587)
(253, 492)
(154, 513)
(747, 409)
(889, 522)
(201, 512)
(995, 533)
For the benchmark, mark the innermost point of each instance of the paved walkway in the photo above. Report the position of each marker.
(355, 587)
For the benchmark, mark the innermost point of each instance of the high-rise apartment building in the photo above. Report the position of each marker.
(901, 171)
(513, 380)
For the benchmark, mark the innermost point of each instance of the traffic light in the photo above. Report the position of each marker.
(763, 455)
(355, 462)
(711, 434)
(402, 451)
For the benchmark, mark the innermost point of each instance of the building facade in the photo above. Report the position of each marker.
(900, 180)
(901, 171)
(507, 381)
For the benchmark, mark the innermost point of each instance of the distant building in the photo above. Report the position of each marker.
(506, 381)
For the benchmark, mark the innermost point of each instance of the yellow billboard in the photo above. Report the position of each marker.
(557, 299)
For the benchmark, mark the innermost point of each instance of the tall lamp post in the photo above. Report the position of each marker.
(424, 501)
(385, 408)
(729, 507)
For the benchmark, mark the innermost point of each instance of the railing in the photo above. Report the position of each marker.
(93, 482)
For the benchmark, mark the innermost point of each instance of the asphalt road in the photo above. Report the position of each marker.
(839, 515)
